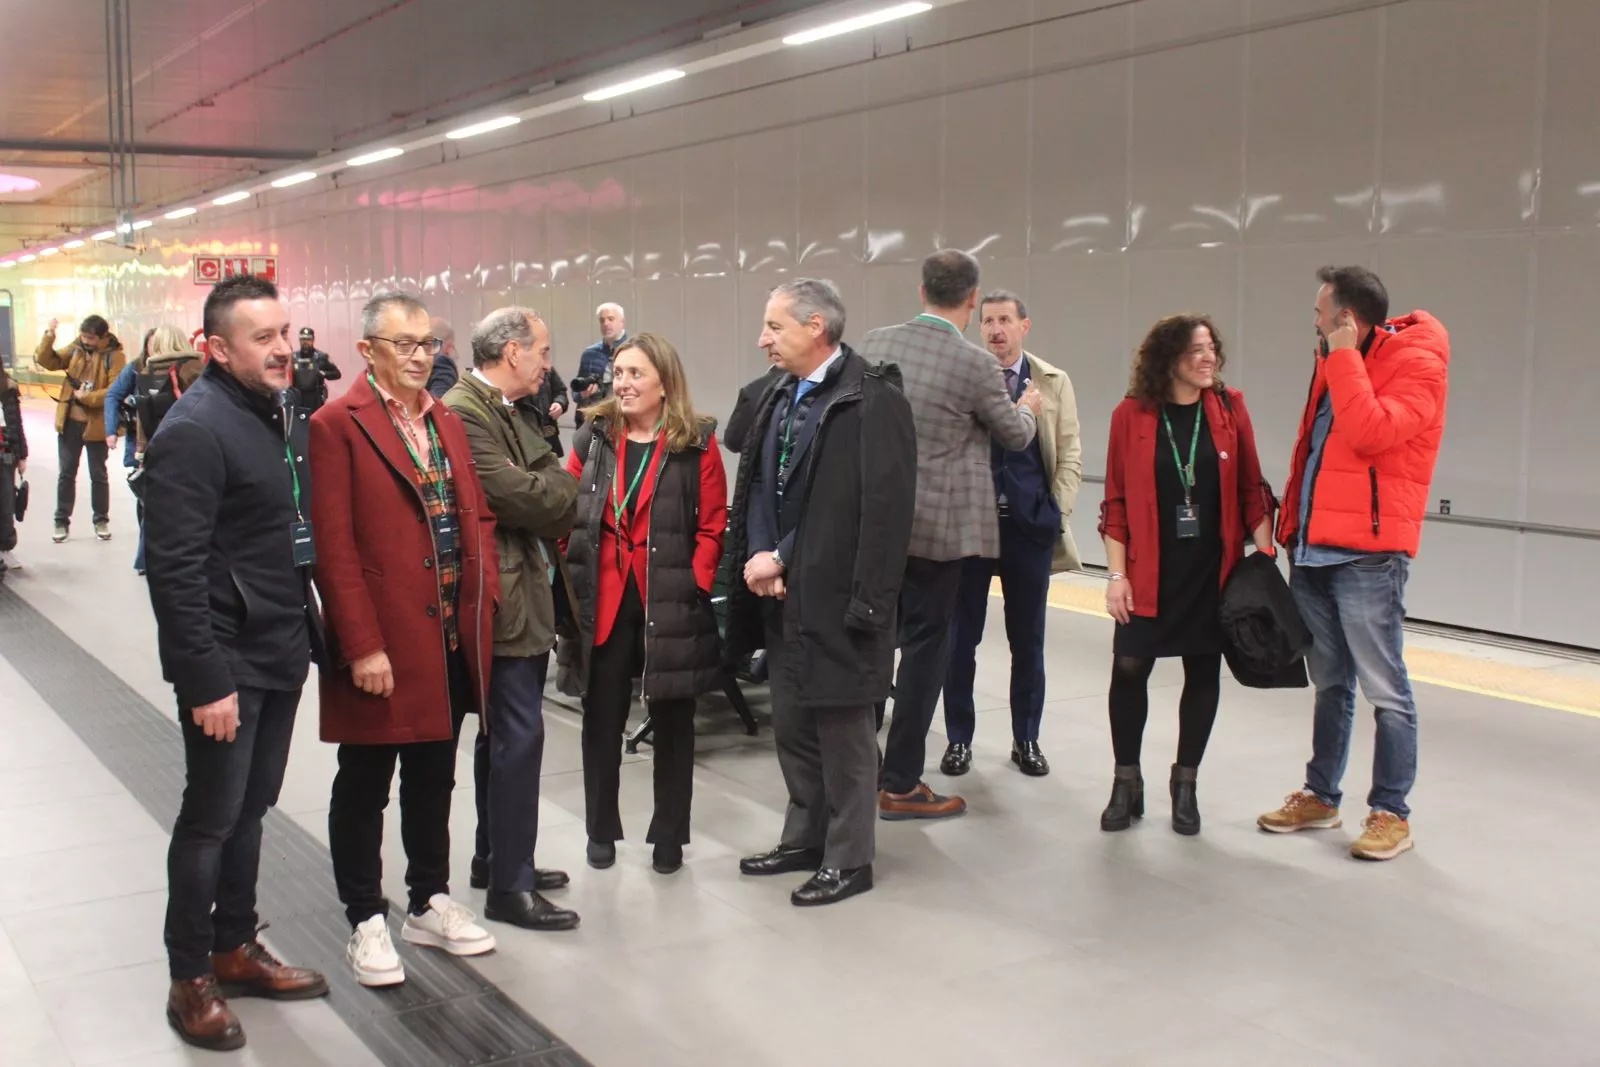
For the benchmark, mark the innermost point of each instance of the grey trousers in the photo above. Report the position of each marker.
(829, 759)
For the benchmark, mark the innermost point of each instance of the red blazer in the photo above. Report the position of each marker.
(375, 572)
(1129, 513)
(708, 539)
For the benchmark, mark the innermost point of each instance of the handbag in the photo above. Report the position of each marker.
(19, 500)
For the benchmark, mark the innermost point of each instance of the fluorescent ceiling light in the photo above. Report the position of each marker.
(143, 224)
(660, 77)
(126, 227)
(73, 244)
(488, 126)
(6, 264)
(376, 157)
(860, 22)
(294, 179)
(181, 213)
(29, 258)
(103, 235)
(232, 198)
(52, 250)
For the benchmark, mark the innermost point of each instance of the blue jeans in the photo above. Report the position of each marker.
(1356, 613)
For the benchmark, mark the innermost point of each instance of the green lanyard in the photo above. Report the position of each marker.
(618, 507)
(1185, 473)
(294, 475)
(937, 321)
(439, 474)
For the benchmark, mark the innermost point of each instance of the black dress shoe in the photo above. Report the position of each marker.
(831, 886)
(529, 911)
(957, 760)
(1026, 755)
(667, 859)
(602, 854)
(543, 880)
(781, 860)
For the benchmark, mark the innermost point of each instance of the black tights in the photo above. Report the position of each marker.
(1197, 707)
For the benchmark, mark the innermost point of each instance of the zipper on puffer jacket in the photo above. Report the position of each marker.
(1372, 472)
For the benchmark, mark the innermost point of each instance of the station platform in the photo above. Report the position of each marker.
(1020, 934)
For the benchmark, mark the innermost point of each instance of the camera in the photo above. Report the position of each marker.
(581, 382)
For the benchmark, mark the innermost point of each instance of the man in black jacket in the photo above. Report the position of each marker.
(737, 433)
(227, 547)
(823, 510)
(313, 370)
(13, 463)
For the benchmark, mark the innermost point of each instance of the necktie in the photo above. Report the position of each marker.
(805, 386)
(1011, 381)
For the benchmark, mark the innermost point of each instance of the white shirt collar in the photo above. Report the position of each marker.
(478, 374)
(821, 372)
(1016, 364)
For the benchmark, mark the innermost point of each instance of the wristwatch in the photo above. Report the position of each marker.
(778, 559)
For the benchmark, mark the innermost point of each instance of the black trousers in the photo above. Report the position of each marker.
(927, 606)
(70, 446)
(215, 852)
(1197, 707)
(516, 759)
(8, 502)
(360, 795)
(612, 668)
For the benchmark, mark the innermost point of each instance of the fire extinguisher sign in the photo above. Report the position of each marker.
(209, 270)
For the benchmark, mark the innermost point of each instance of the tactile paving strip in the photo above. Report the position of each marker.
(444, 1015)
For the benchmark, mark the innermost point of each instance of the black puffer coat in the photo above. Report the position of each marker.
(682, 652)
(849, 556)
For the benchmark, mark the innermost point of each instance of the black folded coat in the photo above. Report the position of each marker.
(1265, 639)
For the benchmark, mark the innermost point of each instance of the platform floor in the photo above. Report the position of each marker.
(1019, 934)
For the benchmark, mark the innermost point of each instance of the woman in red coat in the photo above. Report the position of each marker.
(408, 572)
(652, 509)
(1183, 493)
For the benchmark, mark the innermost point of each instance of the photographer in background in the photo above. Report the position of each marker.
(13, 464)
(592, 383)
(91, 362)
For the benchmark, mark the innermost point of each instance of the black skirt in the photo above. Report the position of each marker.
(1189, 593)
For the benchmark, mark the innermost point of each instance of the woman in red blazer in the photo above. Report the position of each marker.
(652, 508)
(408, 572)
(1183, 493)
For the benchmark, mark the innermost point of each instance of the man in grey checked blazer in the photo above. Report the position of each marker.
(959, 401)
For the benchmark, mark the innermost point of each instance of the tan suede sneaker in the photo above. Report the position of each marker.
(1383, 837)
(1300, 811)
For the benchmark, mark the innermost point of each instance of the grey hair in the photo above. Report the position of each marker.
(372, 312)
(1003, 296)
(498, 329)
(611, 304)
(948, 277)
(816, 296)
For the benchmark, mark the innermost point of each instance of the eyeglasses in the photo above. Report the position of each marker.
(406, 347)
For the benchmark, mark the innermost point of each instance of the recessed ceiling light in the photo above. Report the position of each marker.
(660, 77)
(144, 224)
(181, 213)
(232, 198)
(376, 157)
(16, 183)
(29, 258)
(52, 250)
(7, 263)
(860, 22)
(487, 126)
(294, 179)
(103, 235)
(73, 244)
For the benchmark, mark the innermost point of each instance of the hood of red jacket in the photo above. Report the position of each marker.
(1421, 330)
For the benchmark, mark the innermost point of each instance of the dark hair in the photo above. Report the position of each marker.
(228, 293)
(1002, 296)
(1160, 351)
(949, 277)
(96, 325)
(1358, 290)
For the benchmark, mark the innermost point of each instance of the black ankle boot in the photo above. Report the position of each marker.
(1185, 809)
(1127, 799)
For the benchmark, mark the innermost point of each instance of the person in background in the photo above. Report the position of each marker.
(1035, 488)
(592, 383)
(120, 400)
(91, 363)
(1184, 491)
(822, 519)
(409, 575)
(959, 399)
(533, 501)
(226, 486)
(737, 433)
(652, 511)
(444, 372)
(543, 410)
(313, 370)
(13, 465)
(1352, 521)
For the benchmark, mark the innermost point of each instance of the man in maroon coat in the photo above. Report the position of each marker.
(407, 569)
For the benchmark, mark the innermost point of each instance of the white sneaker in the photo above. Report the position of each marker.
(10, 562)
(449, 926)
(372, 956)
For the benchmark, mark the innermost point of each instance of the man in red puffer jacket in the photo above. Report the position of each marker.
(1351, 521)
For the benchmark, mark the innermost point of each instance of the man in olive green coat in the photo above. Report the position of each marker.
(534, 501)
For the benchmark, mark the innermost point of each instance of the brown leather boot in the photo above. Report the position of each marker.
(251, 971)
(196, 1010)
